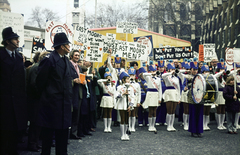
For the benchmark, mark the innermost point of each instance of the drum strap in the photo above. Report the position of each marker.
(206, 96)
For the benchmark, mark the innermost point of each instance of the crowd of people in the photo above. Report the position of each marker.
(60, 105)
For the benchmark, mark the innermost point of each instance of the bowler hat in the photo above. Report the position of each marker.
(8, 33)
(60, 39)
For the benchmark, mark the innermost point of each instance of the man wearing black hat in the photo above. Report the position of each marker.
(13, 107)
(54, 83)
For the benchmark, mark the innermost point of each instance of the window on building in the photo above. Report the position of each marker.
(225, 19)
(215, 24)
(198, 12)
(229, 34)
(231, 16)
(167, 14)
(183, 12)
(220, 22)
(223, 37)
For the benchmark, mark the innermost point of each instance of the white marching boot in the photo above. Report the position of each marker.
(130, 123)
(172, 122)
(207, 121)
(122, 131)
(133, 124)
(237, 120)
(150, 124)
(105, 125)
(125, 132)
(168, 120)
(109, 125)
(153, 123)
(222, 121)
(185, 119)
(218, 119)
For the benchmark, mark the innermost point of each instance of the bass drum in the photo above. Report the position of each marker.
(204, 89)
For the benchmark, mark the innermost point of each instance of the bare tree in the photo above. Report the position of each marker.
(39, 17)
(108, 15)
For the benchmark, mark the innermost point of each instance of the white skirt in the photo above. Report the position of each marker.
(151, 99)
(121, 104)
(171, 95)
(107, 102)
(220, 100)
(184, 96)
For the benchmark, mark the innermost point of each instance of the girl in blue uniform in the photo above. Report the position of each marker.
(108, 99)
(125, 102)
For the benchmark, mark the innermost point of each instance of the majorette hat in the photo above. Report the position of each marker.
(237, 64)
(60, 39)
(205, 68)
(187, 65)
(152, 67)
(107, 73)
(221, 64)
(122, 75)
(8, 34)
(185, 61)
(144, 64)
(161, 63)
(131, 71)
(194, 64)
(141, 70)
(170, 65)
(117, 59)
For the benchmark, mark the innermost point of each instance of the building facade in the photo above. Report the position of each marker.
(198, 21)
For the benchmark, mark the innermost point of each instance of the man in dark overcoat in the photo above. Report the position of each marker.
(13, 107)
(54, 82)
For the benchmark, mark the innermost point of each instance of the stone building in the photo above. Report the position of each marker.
(198, 21)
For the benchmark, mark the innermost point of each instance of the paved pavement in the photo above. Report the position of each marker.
(142, 142)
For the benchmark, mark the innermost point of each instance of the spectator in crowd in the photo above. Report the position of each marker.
(13, 105)
(176, 64)
(213, 67)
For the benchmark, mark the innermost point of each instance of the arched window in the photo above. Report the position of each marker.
(167, 13)
(183, 12)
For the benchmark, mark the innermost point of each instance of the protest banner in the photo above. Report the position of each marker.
(147, 41)
(200, 53)
(56, 27)
(14, 20)
(209, 52)
(172, 53)
(38, 45)
(229, 58)
(94, 49)
(111, 36)
(127, 27)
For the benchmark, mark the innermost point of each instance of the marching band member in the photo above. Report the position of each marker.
(184, 99)
(207, 106)
(125, 102)
(108, 99)
(195, 110)
(154, 95)
(115, 74)
(142, 113)
(137, 94)
(172, 95)
(161, 110)
(220, 100)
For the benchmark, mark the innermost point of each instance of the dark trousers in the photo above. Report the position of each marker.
(142, 115)
(33, 135)
(84, 125)
(93, 119)
(8, 142)
(75, 120)
(61, 138)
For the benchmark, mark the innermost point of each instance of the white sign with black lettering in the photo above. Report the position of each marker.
(127, 27)
(14, 20)
(209, 52)
(94, 49)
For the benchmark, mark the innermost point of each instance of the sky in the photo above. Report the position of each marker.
(59, 6)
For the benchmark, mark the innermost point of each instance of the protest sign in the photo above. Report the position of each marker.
(38, 45)
(94, 49)
(236, 53)
(173, 53)
(209, 52)
(14, 20)
(229, 58)
(127, 27)
(56, 27)
(147, 41)
(200, 53)
(111, 36)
